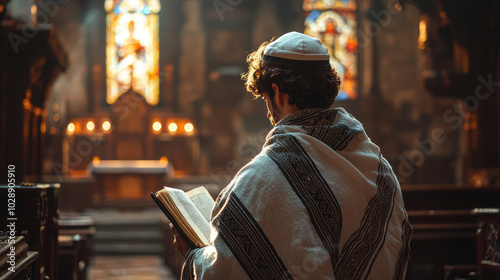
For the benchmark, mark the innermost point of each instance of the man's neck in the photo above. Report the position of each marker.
(286, 110)
(289, 109)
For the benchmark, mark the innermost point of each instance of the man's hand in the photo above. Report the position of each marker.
(180, 243)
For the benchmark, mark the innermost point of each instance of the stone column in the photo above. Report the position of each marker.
(192, 62)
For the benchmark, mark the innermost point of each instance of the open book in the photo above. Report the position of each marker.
(188, 211)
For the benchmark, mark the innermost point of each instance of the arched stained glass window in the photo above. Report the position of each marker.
(132, 49)
(334, 23)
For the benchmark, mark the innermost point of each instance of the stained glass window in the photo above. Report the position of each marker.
(132, 49)
(334, 23)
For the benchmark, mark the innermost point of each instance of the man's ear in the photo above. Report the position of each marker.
(280, 98)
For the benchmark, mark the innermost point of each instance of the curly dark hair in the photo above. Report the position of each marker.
(311, 88)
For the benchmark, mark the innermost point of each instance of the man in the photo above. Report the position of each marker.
(319, 201)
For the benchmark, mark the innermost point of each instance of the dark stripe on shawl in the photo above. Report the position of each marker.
(404, 253)
(311, 188)
(364, 244)
(320, 125)
(248, 243)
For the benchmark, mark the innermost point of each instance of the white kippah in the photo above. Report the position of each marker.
(297, 49)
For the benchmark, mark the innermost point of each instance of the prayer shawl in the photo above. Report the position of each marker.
(318, 202)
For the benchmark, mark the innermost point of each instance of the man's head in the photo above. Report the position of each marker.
(295, 66)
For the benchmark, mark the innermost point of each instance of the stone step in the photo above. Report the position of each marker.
(129, 267)
(127, 248)
(128, 232)
(128, 228)
(128, 242)
(142, 235)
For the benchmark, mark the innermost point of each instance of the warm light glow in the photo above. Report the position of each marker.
(34, 14)
(71, 128)
(55, 107)
(423, 34)
(55, 117)
(164, 160)
(37, 111)
(157, 126)
(1, 8)
(398, 7)
(189, 127)
(172, 127)
(27, 104)
(106, 125)
(96, 161)
(90, 126)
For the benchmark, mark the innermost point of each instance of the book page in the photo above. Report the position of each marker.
(191, 214)
(202, 199)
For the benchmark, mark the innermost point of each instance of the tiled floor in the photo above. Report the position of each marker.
(129, 268)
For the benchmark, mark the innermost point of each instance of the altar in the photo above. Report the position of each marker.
(128, 182)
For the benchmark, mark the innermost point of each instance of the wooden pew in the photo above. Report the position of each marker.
(71, 263)
(36, 212)
(23, 266)
(52, 229)
(443, 244)
(488, 243)
(449, 197)
(455, 244)
(76, 237)
(444, 228)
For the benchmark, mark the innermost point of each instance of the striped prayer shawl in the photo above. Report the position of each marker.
(319, 202)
